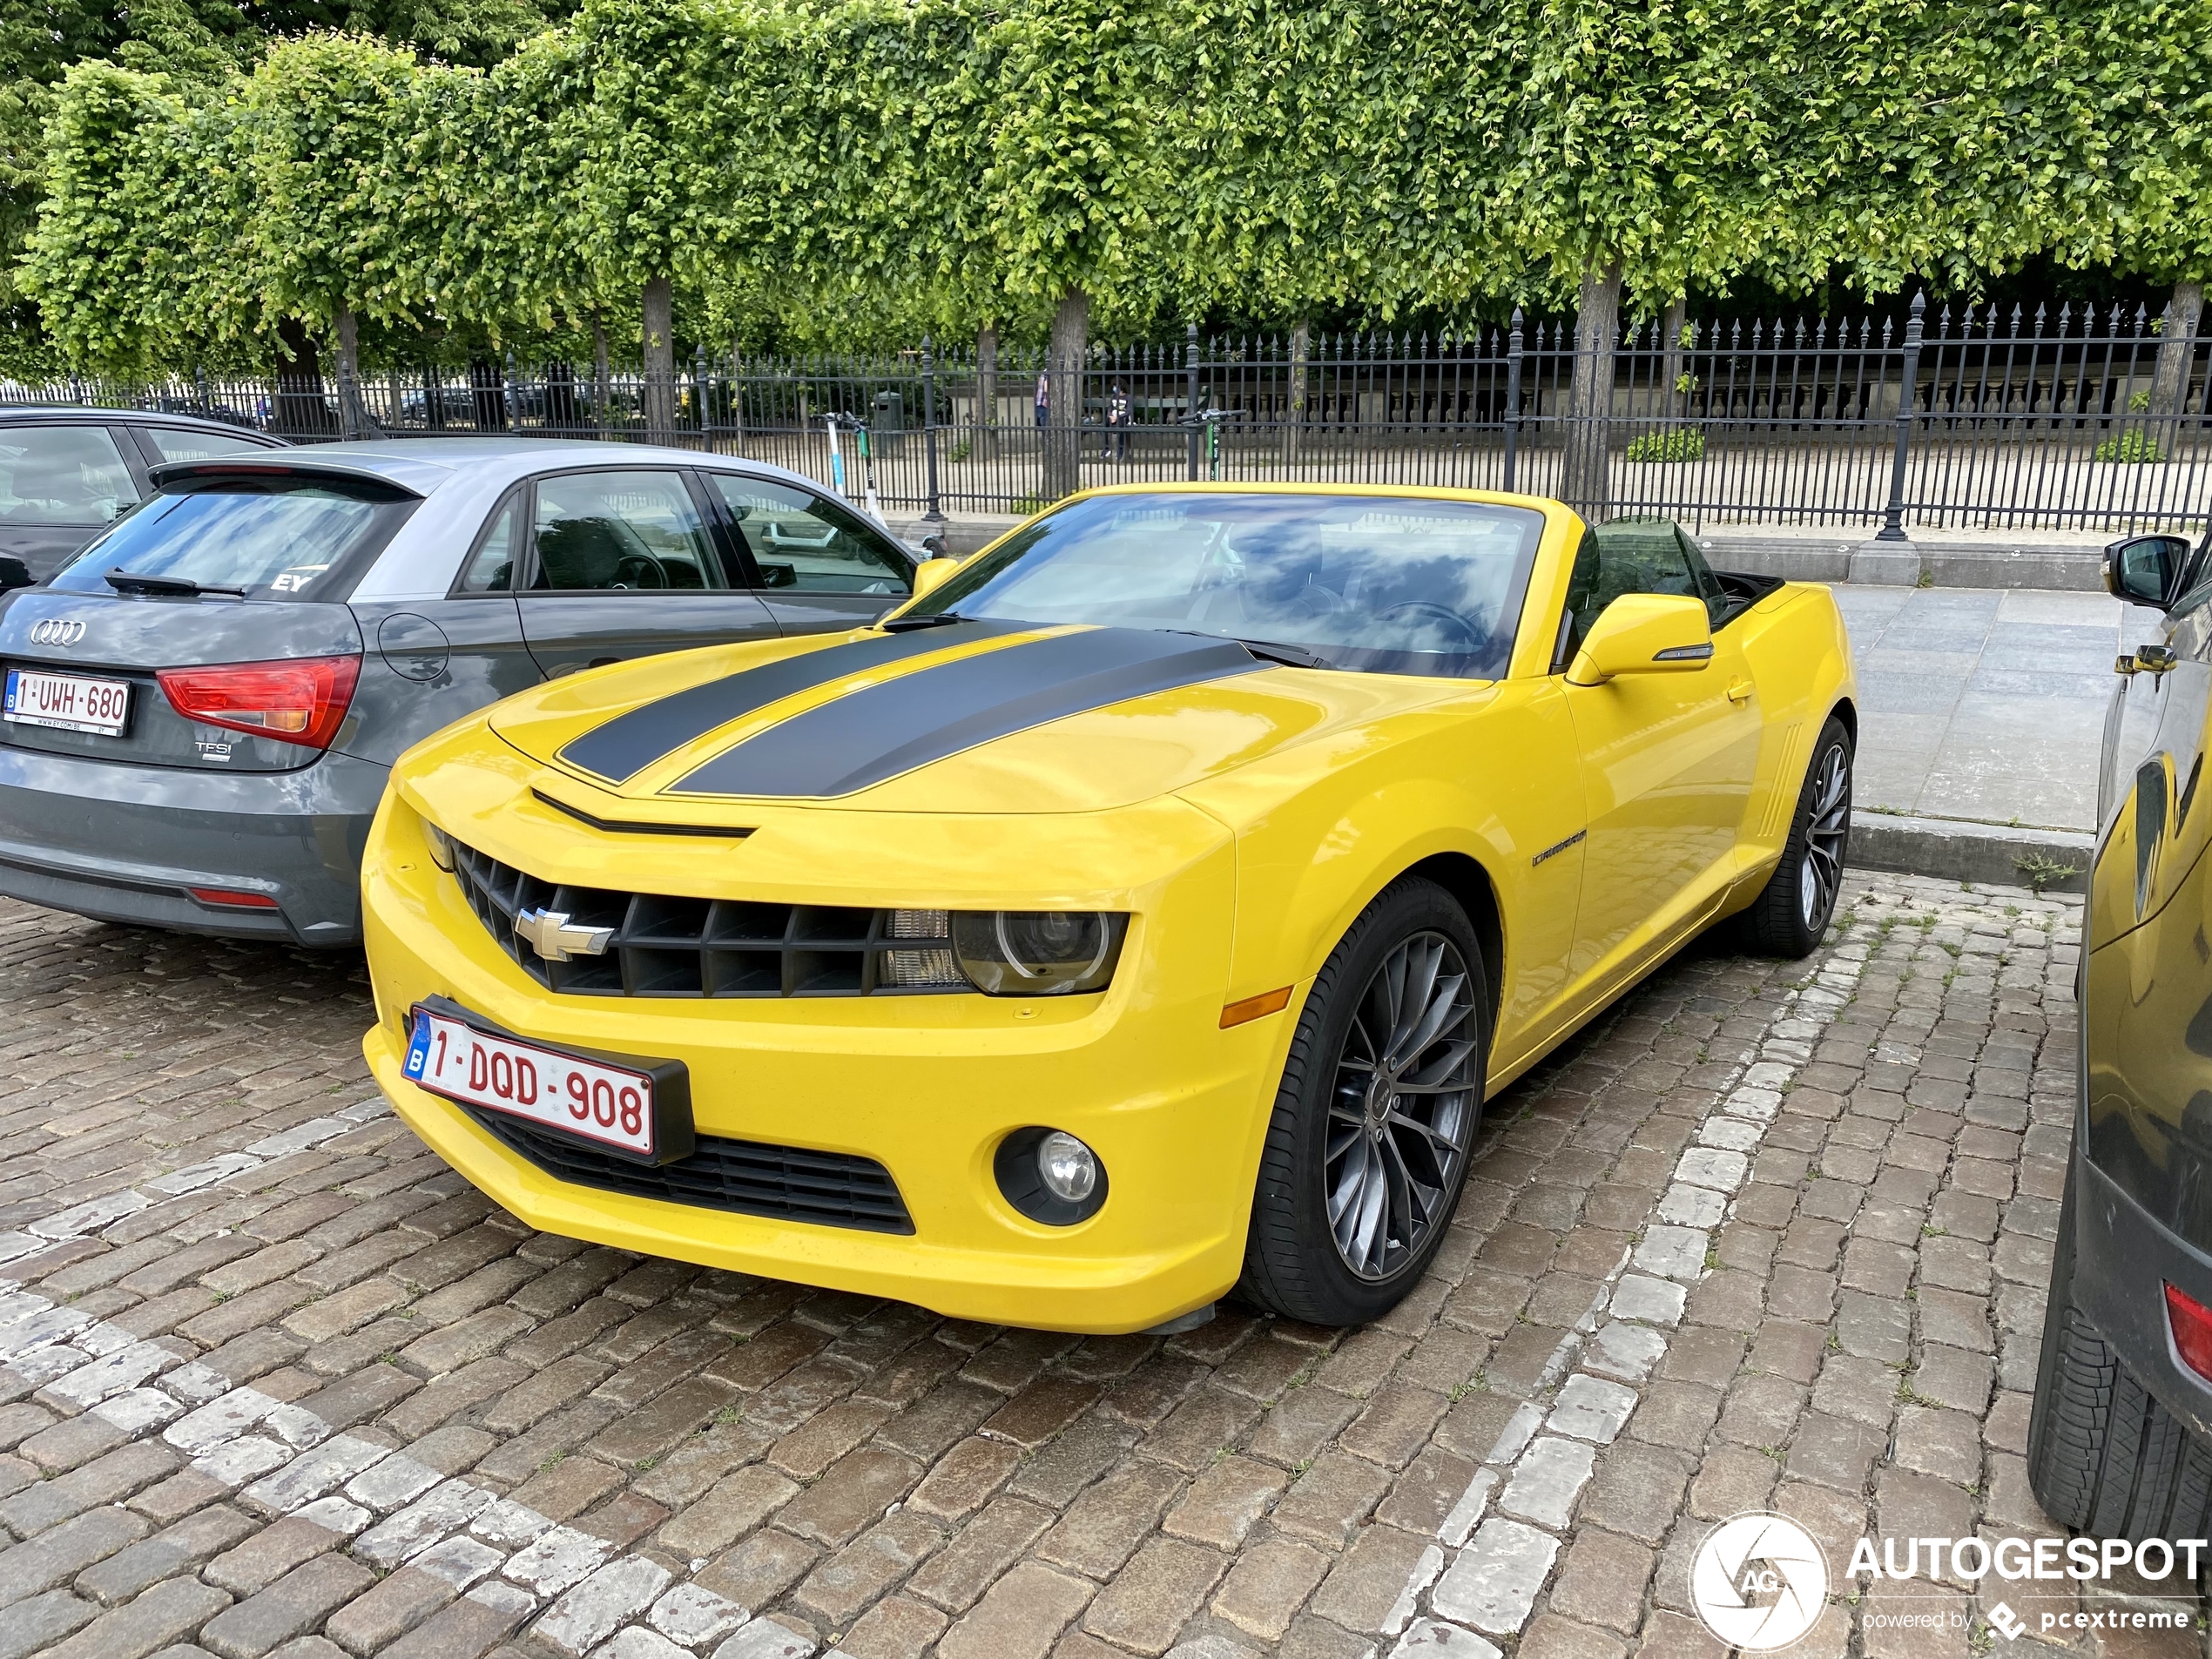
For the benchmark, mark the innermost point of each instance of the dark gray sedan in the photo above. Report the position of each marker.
(201, 709)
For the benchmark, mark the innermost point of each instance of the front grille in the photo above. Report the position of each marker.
(751, 1177)
(668, 947)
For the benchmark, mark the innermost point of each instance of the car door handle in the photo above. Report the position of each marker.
(1740, 692)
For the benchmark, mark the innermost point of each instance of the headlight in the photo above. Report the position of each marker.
(1038, 952)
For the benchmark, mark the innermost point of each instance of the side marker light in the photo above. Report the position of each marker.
(1254, 1008)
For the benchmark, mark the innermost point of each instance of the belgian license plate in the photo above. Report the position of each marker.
(67, 702)
(610, 1105)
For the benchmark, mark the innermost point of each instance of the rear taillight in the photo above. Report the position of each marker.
(2191, 1322)
(303, 701)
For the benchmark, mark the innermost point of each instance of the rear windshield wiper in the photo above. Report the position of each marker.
(907, 625)
(167, 587)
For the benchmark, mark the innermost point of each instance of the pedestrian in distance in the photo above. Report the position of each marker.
(1044, 398)
(1117, 418)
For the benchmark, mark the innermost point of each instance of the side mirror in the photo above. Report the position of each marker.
(14, 573)
(779, 576)
(2143, 569)
(933, 573)
(1644, 633)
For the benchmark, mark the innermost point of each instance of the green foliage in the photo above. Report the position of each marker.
(458, 177)
(2134, 447)
(136, 259)
(1678, 443)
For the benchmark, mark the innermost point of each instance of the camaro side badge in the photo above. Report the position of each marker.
(553, 936)
(1556, 848)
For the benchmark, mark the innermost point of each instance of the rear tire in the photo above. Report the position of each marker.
(2103, 1457)
(1792, 913)
(1377, 1112)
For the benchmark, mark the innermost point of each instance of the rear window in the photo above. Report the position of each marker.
(61, 475)
(275, 538)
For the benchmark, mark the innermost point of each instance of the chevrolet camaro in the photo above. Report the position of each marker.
(1145, 911)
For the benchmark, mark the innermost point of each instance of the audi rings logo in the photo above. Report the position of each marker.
(57, 632)
(1759, 1582)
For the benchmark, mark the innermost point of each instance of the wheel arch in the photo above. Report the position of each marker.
(1465, 879)
(1846, 711)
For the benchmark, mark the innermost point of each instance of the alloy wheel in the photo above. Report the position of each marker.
(1820, 875)
(1402, 1106)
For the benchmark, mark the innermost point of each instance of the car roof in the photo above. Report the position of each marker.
(421, 465)
(78, 414)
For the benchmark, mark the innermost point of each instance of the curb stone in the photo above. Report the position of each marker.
(1963, 850)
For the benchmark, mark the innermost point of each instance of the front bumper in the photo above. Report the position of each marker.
(926, 1085)
(123, 842)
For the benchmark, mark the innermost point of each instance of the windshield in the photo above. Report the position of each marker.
(278, 539)
(1391, 584)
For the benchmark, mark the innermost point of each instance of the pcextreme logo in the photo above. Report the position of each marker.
(1760, 1581)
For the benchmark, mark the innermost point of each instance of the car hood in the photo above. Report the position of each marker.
(979, 717)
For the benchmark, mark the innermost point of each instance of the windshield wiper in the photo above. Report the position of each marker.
(1289, 656)
(167, 587)
(907, 625)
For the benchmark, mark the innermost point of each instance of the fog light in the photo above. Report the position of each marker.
(1069, 1168)
(1050, 1175)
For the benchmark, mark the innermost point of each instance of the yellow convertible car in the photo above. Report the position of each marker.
(1146, 910)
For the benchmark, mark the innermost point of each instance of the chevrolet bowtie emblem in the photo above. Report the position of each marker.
(552, 936)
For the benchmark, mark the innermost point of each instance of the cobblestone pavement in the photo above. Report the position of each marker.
(1771, 1235)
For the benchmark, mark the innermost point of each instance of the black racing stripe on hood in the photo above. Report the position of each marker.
(631, 742)
(880, 731)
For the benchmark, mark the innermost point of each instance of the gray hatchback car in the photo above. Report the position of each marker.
(201, 709)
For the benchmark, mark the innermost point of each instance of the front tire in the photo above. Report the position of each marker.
(1792, 913)
(1376, 1114)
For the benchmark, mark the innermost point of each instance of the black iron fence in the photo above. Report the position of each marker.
(2069, 418)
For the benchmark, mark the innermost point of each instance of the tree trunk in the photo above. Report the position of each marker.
(1064, 445)
(2170, 389)
(352, 413)
(987, 391)
(1673, 399)
(600, 385)
(299, 406)
(1294, 416)
(659, 306)
(1584, 482)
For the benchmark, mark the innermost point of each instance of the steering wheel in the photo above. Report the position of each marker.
(1476, 639)
(640, 570)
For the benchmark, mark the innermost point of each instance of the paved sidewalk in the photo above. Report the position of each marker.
(1983, 705)
(277, 1381)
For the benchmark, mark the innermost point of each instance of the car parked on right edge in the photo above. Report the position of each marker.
(2120, 1439)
